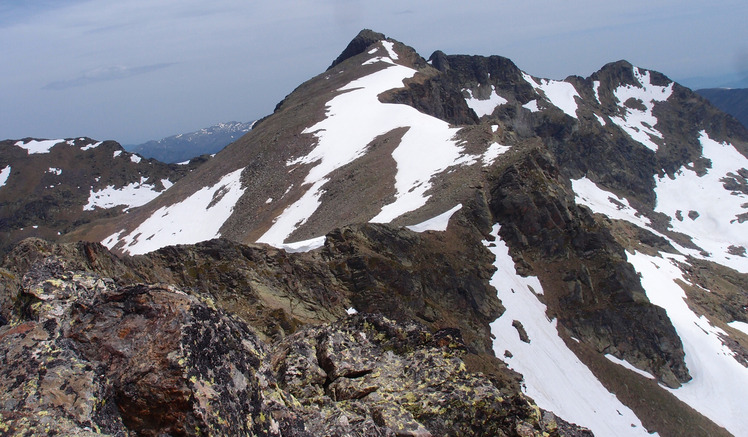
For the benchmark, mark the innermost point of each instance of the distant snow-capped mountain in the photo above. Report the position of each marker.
(183, 147)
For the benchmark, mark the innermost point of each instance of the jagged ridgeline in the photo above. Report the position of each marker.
(408, 247)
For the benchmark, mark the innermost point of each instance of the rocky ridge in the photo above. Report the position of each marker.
(110, 359)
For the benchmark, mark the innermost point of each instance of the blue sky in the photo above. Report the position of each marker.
(135, 70)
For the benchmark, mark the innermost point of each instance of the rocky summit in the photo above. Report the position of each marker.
(405, 247)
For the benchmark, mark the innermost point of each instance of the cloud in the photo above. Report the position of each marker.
(104, 74)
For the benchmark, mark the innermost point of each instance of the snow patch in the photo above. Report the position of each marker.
(553, 376)
(116, 153)
(717, 226)
(91, 146)
(54, 171)
(196, 218)
(351, 311)
(719, 382)
(604, 202)
(304, 245)
(629, 366)
(135, 158)
(492, 153)
(38, 146)
(532, 105)
(4, 175)
(640, 123)
(740, 326)
(601, 120)
(438, 223)
(131, 196)
(484, 106)
(560, 94)
(390, 47)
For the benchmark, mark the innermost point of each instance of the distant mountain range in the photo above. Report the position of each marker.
(732, 101)
(183, 147)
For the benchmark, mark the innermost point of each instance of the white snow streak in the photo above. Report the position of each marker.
(4, 175)
(560, 94)
(553, 376)
(116, 153)
(484, 106)
(131, 196)
(629, 366)
(438, 223)
(596, 89)
(640, 124)
(304, 245)
(196, 218)
(390, 47)
(716, 227)
(38, 147)
(719, 385)
(91, 146)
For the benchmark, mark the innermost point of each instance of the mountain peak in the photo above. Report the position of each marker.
(364, 39)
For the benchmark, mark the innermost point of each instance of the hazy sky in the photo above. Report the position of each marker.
(135, 70)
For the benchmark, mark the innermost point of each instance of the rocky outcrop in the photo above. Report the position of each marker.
(591, 288)
(101, 358)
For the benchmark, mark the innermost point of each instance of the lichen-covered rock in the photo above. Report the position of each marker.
(149, 360)
(368, 375)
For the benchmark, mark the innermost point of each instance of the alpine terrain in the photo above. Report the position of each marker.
(405, 247)
(50, 187)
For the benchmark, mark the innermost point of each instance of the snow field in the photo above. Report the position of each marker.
(196, 218)
(484, 107)
(38, 146)
(716, 227)
(131, 195)
(553, 375)
(719, 385)
(640, 124)
(4, 175)
(560, 94)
